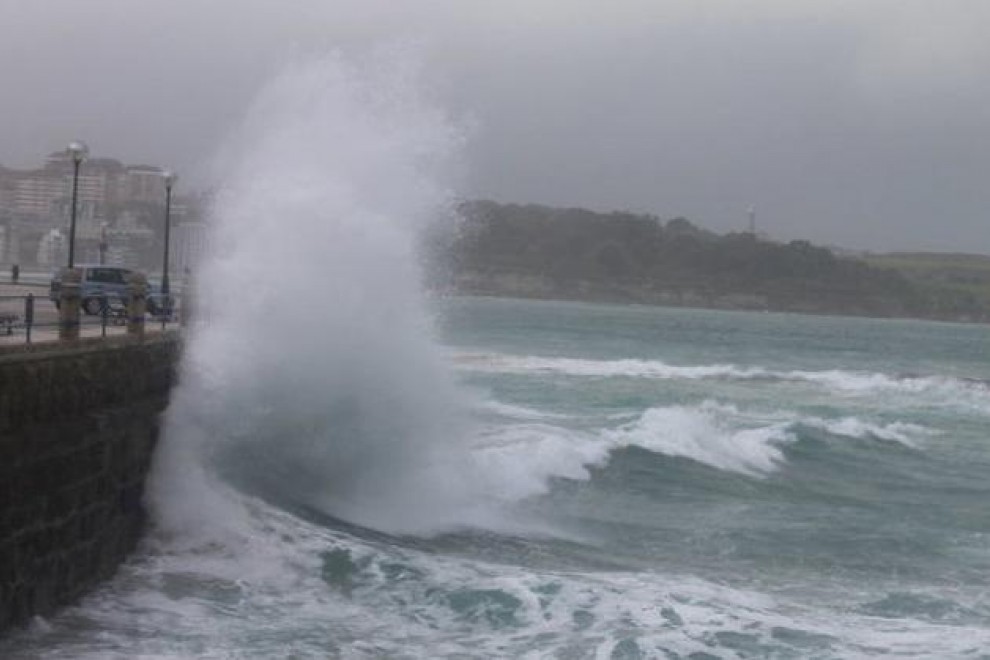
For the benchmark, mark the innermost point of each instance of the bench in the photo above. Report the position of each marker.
(8, 321)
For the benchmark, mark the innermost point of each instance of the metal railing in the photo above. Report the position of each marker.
(31, 318)
(16, 315)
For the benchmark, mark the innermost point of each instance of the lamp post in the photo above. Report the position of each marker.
(77, 152)
(170, 179)
(103, 243)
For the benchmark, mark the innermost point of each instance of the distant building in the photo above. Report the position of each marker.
(130, 199)
(190, 245)
(142, 184)
(51, 249)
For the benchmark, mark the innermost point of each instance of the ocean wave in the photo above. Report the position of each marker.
(712, 433)
(748, 442)
(520, 459)
(959, 390)
(290, 587)
(630, 368)
(512, 411)
(349, 406)
(907, 434)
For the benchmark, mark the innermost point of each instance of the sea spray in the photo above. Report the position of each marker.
(315, 380)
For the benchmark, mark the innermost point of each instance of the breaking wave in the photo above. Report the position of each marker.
(965, 392)
(317, 380)
(526, 455)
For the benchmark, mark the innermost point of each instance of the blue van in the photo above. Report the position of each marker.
(106, 283)
(98, 282)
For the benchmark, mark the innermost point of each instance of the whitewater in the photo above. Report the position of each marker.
(353, 466)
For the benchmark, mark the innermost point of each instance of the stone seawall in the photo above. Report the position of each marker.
(78, 426)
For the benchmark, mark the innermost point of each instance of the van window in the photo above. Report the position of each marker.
(107, 275)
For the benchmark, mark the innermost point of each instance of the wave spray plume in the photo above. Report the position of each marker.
(316, 379)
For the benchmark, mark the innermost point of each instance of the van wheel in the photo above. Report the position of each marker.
(91, 306)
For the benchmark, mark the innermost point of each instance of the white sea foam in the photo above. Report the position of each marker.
(278, 598)
(520, 458)
(946, 390)
(600, 368)
(713, 434)
(317, 374)
(749, 442)
(512, 411)
(904, 433)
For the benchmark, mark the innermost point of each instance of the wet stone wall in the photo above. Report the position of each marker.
(78, 427)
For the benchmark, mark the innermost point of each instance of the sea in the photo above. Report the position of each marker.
(672, 483)
(352, 466)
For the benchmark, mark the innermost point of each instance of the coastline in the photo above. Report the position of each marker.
(532, 287)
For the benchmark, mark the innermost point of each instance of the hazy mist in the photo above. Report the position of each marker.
(849, 123)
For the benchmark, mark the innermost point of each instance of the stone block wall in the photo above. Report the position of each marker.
(78, 426)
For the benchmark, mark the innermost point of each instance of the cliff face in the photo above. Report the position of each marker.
(541, 252)
(78, 427)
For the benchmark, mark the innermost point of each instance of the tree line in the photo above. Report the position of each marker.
(540, 251)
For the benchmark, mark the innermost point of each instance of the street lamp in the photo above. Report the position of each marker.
(170, 179)
(77, 151)
(103, 243)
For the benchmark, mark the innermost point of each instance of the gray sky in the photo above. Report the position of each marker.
(860, 123)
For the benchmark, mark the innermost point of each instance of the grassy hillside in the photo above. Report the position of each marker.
(543, 252)
(949, 280)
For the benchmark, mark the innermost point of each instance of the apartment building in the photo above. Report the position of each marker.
(128, 199)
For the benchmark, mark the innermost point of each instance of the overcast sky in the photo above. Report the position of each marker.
(860, 123)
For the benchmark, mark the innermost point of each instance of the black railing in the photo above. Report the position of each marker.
(29, 318)
(17, 315)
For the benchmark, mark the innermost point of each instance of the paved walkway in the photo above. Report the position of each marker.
(45, 326)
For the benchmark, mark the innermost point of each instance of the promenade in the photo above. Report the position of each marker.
(14, 332)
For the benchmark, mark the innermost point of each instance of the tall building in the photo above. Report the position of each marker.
(191, 243)
(142, 184)
(130, 199)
